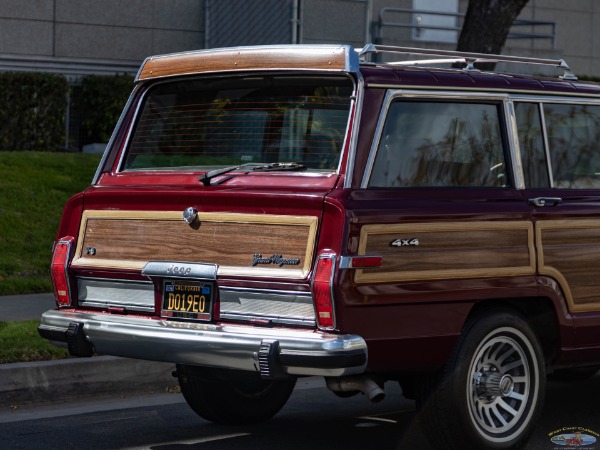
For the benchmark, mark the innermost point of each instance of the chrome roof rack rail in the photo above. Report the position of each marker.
(450, 56)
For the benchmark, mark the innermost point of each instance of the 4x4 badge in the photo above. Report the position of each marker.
(411, 242)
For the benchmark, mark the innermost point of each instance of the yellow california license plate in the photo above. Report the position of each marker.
(185, 299)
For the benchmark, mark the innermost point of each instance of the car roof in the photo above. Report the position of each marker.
(419, 68)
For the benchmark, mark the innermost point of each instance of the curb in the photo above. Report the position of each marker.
(68, 379)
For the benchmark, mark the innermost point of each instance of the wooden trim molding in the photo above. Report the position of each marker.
(129, 239)
(340, 58)
(569, 252)
(448, 250)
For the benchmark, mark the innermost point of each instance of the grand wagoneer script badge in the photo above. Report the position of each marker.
(278, 260)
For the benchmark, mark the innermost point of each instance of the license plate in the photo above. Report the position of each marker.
(185, 299)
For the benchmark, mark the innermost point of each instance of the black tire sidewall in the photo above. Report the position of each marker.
(455, 381)
(227, 401)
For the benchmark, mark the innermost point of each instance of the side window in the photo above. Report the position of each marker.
(573, 136)
(531, 144)
(427, 143)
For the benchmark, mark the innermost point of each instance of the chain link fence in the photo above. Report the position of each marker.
(231, 23)
(267, 22)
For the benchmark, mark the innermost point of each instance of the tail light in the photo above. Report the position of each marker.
(59, 271)
(322, 291)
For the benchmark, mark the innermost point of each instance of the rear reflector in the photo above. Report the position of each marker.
(359, 262)
(322, 291)
(58, 269)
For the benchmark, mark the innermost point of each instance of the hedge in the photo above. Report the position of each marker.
(102, 99)
(33, 108)
(32, 111)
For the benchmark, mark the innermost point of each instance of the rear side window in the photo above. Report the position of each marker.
(433, 144)
(208, 123)
(573, 135)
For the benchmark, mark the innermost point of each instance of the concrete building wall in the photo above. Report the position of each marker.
(100, 36)
(92, 35)
(577, 32)
(335, 21)
(576, 39)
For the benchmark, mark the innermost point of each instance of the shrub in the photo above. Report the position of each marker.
(102, 100)
(33, 111)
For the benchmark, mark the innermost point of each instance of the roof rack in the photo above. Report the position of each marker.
(449, 56)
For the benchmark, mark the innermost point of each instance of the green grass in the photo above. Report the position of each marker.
(22, 343)
(34, 187)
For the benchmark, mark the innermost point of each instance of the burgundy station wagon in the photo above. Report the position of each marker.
(268, 213)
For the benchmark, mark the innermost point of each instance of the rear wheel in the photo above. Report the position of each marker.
(232, 397)
(491, 390)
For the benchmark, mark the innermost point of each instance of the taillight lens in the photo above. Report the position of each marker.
(322, 291)
(58, 269)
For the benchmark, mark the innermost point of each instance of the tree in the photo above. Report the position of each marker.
(487, 23)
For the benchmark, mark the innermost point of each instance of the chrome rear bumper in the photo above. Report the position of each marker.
(270, 351)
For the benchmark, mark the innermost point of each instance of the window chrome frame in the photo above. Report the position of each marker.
(511, 145)
(147, 86)
(540, 101)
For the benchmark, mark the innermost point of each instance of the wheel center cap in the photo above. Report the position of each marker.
(492, 384)
(506, 385)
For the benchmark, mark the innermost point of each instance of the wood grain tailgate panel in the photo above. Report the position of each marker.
(129, 239)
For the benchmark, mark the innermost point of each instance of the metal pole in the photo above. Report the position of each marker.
(295, 21)
(68, 118)
(206, 23)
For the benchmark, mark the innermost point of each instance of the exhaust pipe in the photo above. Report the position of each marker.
(358, 383)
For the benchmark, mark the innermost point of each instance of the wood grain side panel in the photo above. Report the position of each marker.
(448, 250)
(128, 240)
(569, 251)
(325, 58)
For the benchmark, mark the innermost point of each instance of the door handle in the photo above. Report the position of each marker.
(545, 201)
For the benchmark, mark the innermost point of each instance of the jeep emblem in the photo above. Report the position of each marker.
(179, 270)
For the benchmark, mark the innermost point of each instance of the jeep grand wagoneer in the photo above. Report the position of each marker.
(268, 213)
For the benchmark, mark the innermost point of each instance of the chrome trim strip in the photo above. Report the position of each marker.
(162, 80)
(482, 90)
(113, 136)
(213, 345)
(345, 262)
(135, 115)
(277, 307)
(393, 94)
(271, 320)
(106, 293)
(562, 98)
(514, 148)
(356, 115)
(546, 144)
(387, 101)
(174, 269)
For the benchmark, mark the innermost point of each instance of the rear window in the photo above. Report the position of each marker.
(209, 123)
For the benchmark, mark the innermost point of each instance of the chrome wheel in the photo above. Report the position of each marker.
(490, 391)
(503, 384)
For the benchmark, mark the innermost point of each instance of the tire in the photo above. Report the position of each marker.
(232, 397)
(490, 392)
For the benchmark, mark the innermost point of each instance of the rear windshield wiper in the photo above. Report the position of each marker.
(250, 167)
